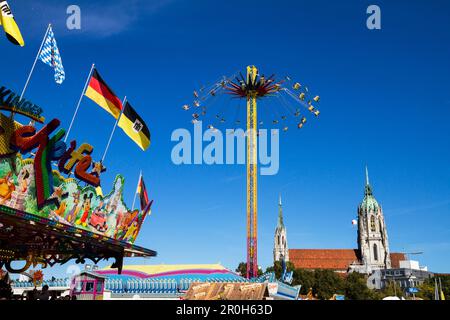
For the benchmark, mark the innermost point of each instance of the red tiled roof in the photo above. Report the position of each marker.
(396, 258)
(335, 259)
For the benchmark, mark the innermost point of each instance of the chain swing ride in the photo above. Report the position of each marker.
(291, 96)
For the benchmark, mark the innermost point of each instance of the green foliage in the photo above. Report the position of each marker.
(445, 281)
(305, 278)
(426, 290)
(242, 270)
(355, 287)
(392, 289)
(327, 283)
(278, 268)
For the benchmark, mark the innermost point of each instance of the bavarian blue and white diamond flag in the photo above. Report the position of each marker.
(50, 55)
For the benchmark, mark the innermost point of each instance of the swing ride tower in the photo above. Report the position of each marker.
(252, 88)
(252, 177)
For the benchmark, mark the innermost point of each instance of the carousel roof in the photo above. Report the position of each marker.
(25, 236)
(200, 272)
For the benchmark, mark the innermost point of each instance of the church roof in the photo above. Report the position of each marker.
(335, 259)
(332, 259)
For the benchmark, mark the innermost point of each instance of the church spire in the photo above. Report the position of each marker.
(368, 188)
(367, 176)
(372, 235)
(280, 213)
(280, 249)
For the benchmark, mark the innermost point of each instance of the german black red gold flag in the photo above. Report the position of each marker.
(135, 127)
(142, 191)
(99, 92)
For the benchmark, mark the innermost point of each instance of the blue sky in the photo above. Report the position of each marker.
(385, 102)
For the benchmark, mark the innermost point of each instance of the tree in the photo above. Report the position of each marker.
(242, 269)
(305, 278)
(445, 281)
(278, 268)
(426, 289)
(356, 287)
(327, 283)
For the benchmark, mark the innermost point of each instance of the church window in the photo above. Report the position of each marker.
(375, 252)
(372, 224)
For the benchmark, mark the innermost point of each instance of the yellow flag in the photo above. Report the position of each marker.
(134, 126)
(9, 24)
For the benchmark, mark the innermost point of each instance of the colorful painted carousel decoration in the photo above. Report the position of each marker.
(52, 209)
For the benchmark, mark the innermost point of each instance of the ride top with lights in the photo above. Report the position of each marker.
(50, 216)
(254, 89)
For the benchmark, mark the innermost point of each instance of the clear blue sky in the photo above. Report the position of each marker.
(385, 103)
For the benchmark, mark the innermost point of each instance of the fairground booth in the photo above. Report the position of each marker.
(52, 207)
(162, 281)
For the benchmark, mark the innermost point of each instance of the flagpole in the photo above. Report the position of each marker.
(113, 130)
(436, 294)
(135, 194)
(441, 293)
(79, 102)
(35, 60)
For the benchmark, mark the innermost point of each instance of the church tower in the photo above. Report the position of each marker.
(372, 235)
(280, 249)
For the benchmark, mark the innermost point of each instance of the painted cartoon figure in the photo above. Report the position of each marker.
(120, 226)
(61, 209)
(72, 215)
(119, 218)
(6, 188)
(125, 223)
(86, 210)
(98, 218)
(130, 235)
(22, 188)
(24, 179)
(112, 205)
(58, 213)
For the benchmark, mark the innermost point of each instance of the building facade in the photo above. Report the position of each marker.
(408, 275)
(372, 234)
(372, 241)
(280, 249)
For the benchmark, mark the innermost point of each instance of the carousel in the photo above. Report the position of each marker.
(256, 102)
(52, 207)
